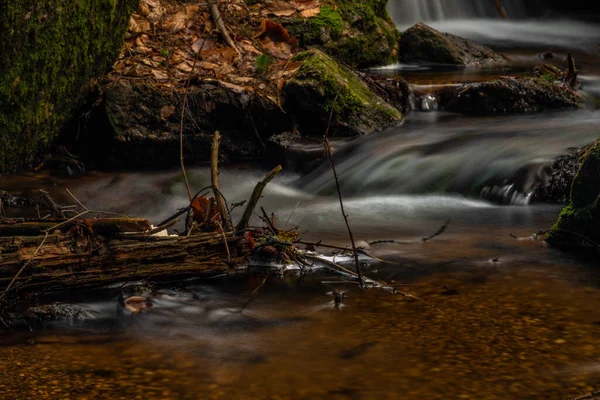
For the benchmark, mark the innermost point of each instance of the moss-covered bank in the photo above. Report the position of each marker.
(49, 50)
(320, 84)
(359, 33)
(578, 225)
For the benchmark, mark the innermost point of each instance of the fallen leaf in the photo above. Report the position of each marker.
(175, 23)
(275, 32)
(144, 9)
(311, 12)
(166, 112)
(279, 9)
(160, 75)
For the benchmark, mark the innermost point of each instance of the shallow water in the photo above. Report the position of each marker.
(489, 316)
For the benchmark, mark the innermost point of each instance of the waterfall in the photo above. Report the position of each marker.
(409, 12)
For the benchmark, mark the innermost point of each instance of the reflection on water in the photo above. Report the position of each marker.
(513, 320)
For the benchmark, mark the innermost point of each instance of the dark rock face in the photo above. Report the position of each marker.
(539, 183)
(423, 44)
(560, 173)
(49, 51)
(509, 95)
(137, 125)
(578, 226)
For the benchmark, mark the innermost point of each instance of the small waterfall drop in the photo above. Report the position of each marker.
(409, 12)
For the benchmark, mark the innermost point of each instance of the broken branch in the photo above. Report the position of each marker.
(256, 195)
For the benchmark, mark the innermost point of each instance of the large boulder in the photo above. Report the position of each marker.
(49, 51)
(137, 124)
(423, 44)
(578, 225)
(319, 84)
(359, 33)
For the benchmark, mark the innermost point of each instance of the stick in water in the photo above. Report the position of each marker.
(337, 185)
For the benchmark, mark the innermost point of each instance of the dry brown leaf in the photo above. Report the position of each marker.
(306, 4)
(207, 65)
(191, 11)
(140, 44)
(175, 23)
(203, 44)
(184, 66)
(311, 12)
(279, 9)
(166, 112)
(150, 63)
(160, 75)
(144, 9)
(152, 3)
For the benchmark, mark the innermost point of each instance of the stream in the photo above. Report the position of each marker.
(495, 314)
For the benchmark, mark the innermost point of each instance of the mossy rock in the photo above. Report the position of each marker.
(578, 226)
(320, 84)
(510, 95)
(49, 51)
(423, 44)
(358, 33)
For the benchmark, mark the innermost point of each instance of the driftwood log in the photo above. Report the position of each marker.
(113, 250)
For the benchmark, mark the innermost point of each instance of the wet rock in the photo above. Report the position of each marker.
(509, 95)
(560, 173)
(138, 124)
(55, 311)
(539, 183)
(319, 84)
(294, 152)
(423, 44)
(578, 226)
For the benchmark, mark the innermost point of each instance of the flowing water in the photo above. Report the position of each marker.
(492, 317)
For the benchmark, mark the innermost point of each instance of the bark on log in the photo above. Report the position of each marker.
(101, 226)
(65, 263)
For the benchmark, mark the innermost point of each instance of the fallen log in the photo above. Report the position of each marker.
(64, 261)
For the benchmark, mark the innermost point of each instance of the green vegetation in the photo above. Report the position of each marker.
(359, 33)
(321, 83)
(49, 51)
(262, 62)
(578, 225)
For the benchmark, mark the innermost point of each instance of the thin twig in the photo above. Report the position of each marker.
(214, 176)
(337, 185)
(224, 241)
(254, 292)
(290, 216)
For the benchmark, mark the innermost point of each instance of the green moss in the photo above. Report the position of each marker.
(359, 33)
(49, 50)
(321, 83)
(262, 62)
(578, 224)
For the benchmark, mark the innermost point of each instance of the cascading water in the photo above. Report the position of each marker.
(408, 12)
(479, 20)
